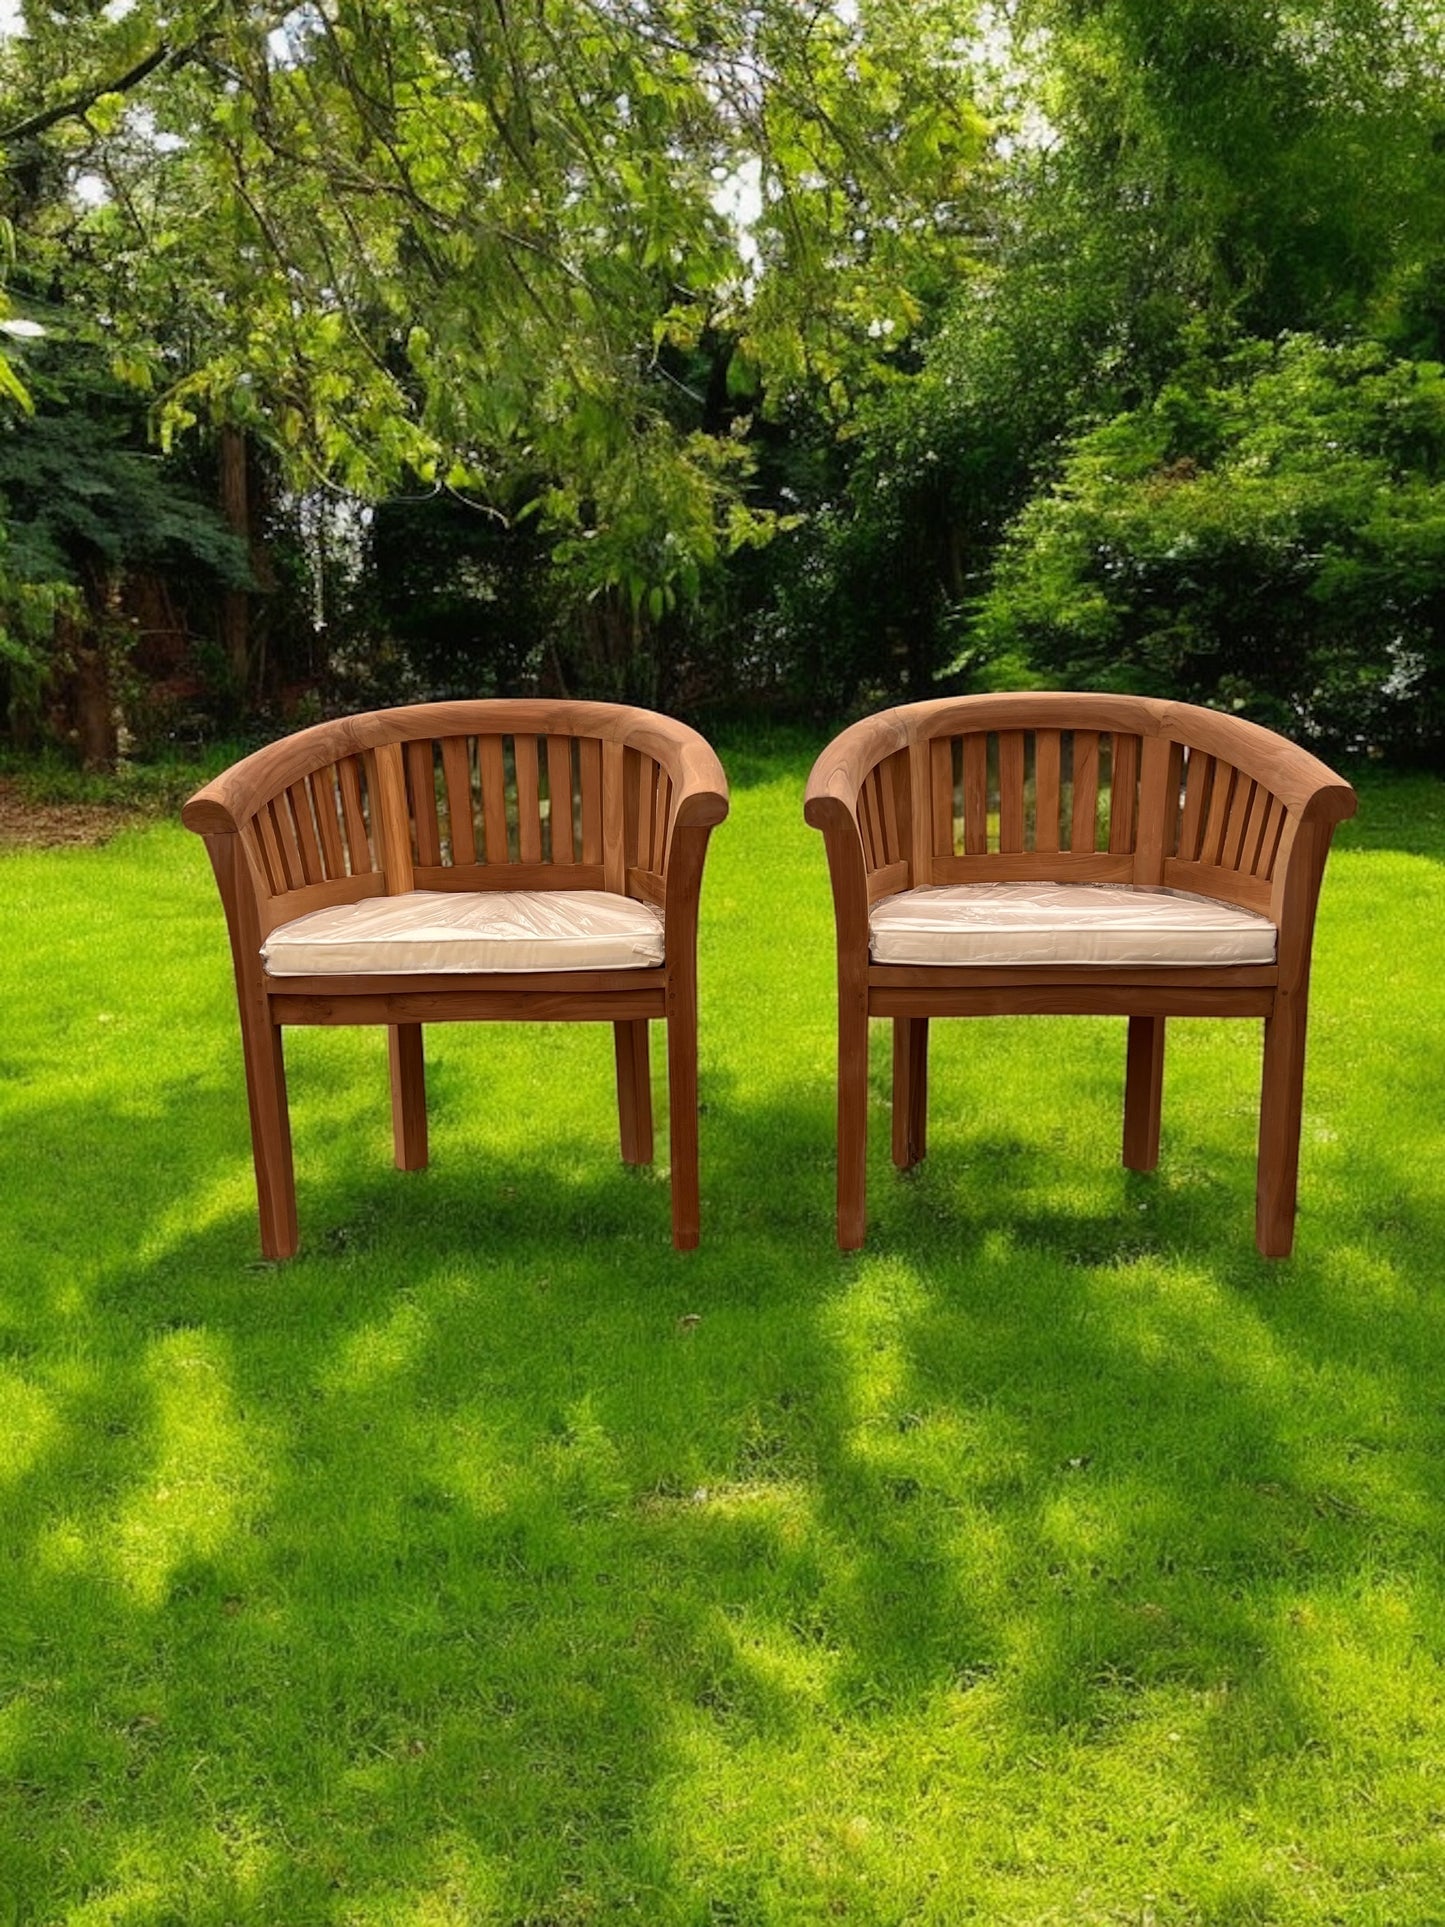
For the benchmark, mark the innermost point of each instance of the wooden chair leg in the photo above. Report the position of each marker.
(270, 1136)
(634, 1090)
(682, 1110)
(1143, 1092)
(408, 1096)
(852, 1119)
(1280, 1108)
(910, 1091)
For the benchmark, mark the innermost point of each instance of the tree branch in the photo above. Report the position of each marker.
(80, 104)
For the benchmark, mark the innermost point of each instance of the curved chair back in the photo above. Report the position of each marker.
(497, 795)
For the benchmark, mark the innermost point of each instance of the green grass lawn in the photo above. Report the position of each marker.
(1055, 1559)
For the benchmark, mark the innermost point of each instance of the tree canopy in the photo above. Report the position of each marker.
(721, 349)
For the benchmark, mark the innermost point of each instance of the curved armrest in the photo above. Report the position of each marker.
(700, 789)
(700, 803)
(830, 805)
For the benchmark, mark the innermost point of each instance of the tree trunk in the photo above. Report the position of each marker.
(235, 603)
(94, 709)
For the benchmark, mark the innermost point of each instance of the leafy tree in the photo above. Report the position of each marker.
(471, 247)
(1169, 174)
(1267, 535)
(86, 510)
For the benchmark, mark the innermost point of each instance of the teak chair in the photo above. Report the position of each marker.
(920, 806)
(519, 806)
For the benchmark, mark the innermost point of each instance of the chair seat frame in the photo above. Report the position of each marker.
(882, 795)
(274, 859)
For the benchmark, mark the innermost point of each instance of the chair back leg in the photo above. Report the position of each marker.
(408, 1096)
(1280, 1108)
(1143, 1092)
(634, 1090)
(910, 1091)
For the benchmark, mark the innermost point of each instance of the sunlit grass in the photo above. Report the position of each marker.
(1055, 1559)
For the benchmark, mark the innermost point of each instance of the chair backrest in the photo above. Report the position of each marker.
(1077, 788)
(457, 796)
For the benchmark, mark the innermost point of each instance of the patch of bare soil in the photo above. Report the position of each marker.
(49, 826)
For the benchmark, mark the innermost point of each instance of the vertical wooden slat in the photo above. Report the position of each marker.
(307, 842)
(1084, 819)
(265, 845)
(589, 762)
(647, 811)
(493, 769)
(422, 796)
(1240, 805)
(867, 824)
(323, 800)
(457, 776)
(1173, 793)
(529, 801)
(662, 816)
(940, 754)
(1046, 789)
(1211, 841)
(917, 783)
(887, 776)
(390, 815)
(358, 847)
(559, 795)
(1157, 809)
(1269, 842)
(284, 831)
(1197, 778)
(975, 795)
(613, 819)
(1010, 791)
(1123, 793)
(631, 805)
(1254, 828)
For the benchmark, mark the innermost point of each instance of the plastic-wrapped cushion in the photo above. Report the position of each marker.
(455, 930)
(1064, 923)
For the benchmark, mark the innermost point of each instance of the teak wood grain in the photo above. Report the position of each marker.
(1194, 800)
(450, 796)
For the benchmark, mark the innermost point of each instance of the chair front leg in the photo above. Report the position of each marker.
(852, 1114)
(682, 1107)
(270, 1131)
(408, 1096)
(1280, 1109)
(634, 1090)
(1143, 1092)
(910, 1091)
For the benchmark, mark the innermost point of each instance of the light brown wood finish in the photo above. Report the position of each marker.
(408, 1095)
(1253, 829)
(634, 1090)
(910, 1091)
(1143, 1092)
(276, 855)
(461, 824)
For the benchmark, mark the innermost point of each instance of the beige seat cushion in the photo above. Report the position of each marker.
(1064, 923)
(442, 930)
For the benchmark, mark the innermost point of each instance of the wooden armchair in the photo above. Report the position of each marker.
(461, 862)
(958, 833)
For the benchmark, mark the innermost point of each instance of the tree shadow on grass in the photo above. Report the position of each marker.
(446, 1566)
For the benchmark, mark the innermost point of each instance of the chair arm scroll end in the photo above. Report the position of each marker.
(207, 815)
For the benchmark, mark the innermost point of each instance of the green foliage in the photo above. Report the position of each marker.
(1170, 174)
(1268, 535)
(84, 506)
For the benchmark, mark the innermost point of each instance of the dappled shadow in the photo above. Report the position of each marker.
(482, 1557)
